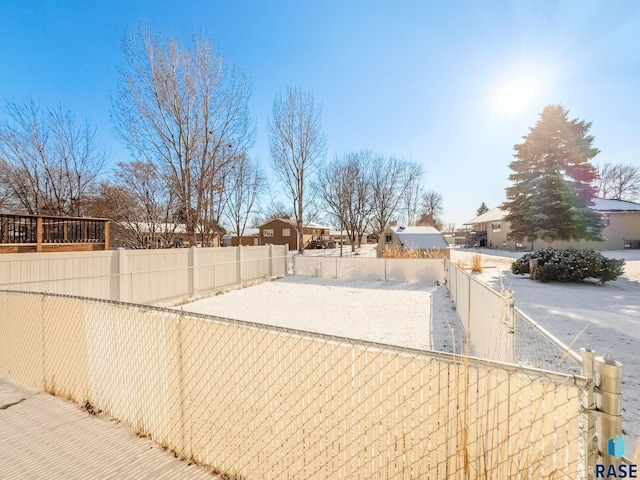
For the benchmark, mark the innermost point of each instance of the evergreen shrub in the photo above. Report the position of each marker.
(570, 265)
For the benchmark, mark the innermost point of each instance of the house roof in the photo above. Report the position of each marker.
(179, 228)
(604, 205)
(248, 232)
(608, 205)
(493, 215)
(293, 223)
(420, 237)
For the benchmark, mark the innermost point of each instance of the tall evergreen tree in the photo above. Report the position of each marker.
(553, 182)
(482, 209)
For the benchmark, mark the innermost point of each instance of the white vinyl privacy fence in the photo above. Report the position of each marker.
(383, 269)
(260, 403)
(142, 276)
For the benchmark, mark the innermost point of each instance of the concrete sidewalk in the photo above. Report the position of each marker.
(42, 436)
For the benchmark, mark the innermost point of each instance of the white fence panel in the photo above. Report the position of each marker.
(382, 269)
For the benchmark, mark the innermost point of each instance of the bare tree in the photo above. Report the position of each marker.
(245, 184)
(432, 208)
(387, 189)
(275, 209)
(412, 191)
(141, 208)
(619, 182)
(50, 162)
(346, 186)
(298, 147)
(186, 112)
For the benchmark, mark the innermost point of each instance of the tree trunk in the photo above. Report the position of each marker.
(533, 269)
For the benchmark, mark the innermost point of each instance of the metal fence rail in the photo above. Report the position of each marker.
(258, 402)
(534, 346)
(496, 329)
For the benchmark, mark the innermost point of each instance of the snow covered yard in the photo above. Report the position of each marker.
(395, 313)
(603, 316)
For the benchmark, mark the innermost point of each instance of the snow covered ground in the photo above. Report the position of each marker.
(395, 313)
(604, 316)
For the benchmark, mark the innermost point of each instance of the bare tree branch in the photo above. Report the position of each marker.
(186, 113)
(50, 162)
(298, 147)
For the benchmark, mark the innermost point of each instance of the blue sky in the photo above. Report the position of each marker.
(452, 85)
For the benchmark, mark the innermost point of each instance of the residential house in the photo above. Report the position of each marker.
(281, 231)
(622, 229)
(163, 235)
(250, 238)
(412, 238)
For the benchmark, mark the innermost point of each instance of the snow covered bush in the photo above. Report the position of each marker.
(570, 265)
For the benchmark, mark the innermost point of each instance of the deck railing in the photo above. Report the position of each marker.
(38, 233)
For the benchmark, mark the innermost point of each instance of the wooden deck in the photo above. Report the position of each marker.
(38, 233)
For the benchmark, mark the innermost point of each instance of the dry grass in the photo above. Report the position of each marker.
(494, 457)
(391, 252)
(476, 263)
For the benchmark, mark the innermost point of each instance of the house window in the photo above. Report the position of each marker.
(267, 232)
(387, 238)
(495, 226)
(605, 220)
(286, 232)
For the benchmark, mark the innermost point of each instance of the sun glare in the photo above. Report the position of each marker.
(517, 92)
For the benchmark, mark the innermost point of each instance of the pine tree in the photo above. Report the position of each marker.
(553, 182)
(482, 209)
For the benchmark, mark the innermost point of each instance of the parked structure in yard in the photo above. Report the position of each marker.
(413, 238)
(283, 231)
(621, 219)
(39, 233)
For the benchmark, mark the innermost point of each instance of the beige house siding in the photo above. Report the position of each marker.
(622, 226)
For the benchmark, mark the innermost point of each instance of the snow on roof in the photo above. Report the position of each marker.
(146, 227)
(248, 232)
(599, 204)
(293, 222)
(315, 225)
(493, 215)
(420, 237)
(608, 205)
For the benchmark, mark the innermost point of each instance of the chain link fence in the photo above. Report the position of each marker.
(258, 402)
(497, 330)
(536, 347)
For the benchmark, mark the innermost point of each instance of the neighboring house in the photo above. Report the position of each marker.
(343, 236)
(250, 238)
(281, 231)
(622, 229)
(412, 238)
(163, 235)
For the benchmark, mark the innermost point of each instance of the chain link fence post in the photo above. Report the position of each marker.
(510, 323)
(588, 357)
(608, 385)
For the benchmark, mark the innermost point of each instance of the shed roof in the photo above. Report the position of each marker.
(420, 237)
